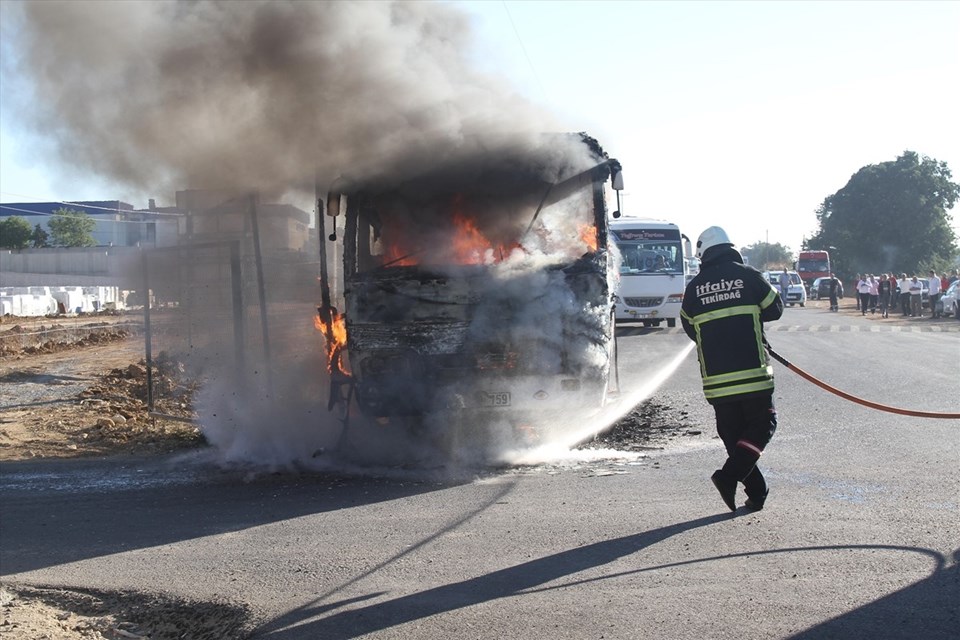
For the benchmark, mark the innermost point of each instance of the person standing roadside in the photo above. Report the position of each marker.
(894, 290)
(863, 294)
(723, 311)
(934, 283)
(916, 298)
(883, 291)
(904, 285)
(874, 293)
(856, 290)
(833, 285)
(784, 285)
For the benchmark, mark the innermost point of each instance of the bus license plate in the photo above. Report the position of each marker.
(495, 399)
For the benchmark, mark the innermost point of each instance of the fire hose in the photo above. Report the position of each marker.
(852, 398)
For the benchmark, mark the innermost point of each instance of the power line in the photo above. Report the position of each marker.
(524, 49)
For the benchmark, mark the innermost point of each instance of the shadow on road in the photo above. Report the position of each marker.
(62, 511)
(499, 584)
(927, 609)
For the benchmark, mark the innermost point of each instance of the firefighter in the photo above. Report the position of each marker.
(723, 309)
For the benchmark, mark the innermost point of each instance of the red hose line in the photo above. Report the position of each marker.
(853, 398)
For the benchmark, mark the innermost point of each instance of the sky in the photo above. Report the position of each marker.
(744, 115)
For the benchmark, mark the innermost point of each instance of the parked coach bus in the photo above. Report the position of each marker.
(654, 264)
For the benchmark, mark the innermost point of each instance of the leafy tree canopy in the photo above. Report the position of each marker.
(768, 257)
(71, 228)
(891, 216)
(15, 233)
(40, 238)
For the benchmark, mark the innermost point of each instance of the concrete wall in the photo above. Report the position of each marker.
(13, 279)
(74, 261)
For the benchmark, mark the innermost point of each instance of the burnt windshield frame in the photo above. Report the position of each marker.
(363, 225)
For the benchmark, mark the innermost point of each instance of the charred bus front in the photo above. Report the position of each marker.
(483, 285)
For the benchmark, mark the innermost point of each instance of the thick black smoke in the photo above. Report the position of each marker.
(259, 95)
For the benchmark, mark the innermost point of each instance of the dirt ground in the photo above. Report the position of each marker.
(81, 389)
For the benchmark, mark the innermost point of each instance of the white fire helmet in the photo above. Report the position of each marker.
(711, 238)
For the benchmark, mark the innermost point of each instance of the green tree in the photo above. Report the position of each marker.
(891, 216)
(14, 233)
(40, 238)
(71, 228)
(765, 256)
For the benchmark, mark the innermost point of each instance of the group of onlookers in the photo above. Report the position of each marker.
(887, 291)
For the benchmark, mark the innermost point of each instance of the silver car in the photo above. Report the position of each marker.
(948, 304)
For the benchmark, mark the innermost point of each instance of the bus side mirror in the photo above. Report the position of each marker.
(617, 183)
(335, 195)
(333, 210)
(333, 204)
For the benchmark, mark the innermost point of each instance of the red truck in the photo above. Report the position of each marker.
(812, 265)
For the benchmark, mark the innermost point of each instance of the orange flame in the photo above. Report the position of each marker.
(588, 233)
(395, 256)
(335, 337)
(469, 244)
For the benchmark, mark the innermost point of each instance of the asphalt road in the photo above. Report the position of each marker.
(860, 537)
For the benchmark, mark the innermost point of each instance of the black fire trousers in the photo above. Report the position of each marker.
(746, 427)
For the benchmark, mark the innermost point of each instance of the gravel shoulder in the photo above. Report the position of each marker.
(83, 393)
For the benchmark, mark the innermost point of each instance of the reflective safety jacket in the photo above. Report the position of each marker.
(724, 308)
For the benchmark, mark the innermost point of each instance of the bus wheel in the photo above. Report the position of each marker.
(671, 322)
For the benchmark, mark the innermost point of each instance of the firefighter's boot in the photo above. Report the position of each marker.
(727, 487)
(755, 503)
(756, 489)
(742, 466)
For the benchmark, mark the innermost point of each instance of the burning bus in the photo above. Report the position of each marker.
(479, 287)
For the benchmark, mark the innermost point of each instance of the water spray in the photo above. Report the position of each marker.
(561, 447)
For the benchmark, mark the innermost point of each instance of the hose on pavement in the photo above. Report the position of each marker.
(852, 398)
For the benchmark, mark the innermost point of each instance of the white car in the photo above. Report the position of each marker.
(796, 292)
(949, 302)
